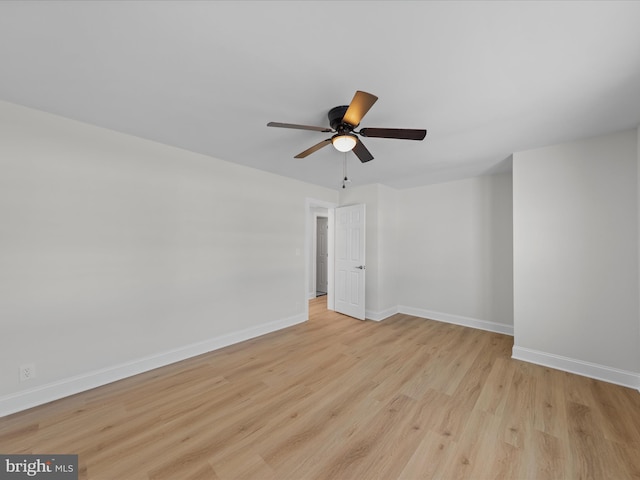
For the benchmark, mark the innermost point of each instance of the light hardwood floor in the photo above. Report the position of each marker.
(335, 398)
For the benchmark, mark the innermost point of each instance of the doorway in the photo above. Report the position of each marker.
(314, 209)
(318, 208)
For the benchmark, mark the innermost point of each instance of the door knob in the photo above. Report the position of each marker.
(361, 267)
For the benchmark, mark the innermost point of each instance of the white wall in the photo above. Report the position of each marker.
(118, 254)
(576, 256)
(455, 244)
(441, 251)
(388, 252)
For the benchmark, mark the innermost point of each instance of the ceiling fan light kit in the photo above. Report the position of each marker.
(344, 120)
(344, 143)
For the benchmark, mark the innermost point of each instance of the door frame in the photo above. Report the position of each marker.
(309, 251)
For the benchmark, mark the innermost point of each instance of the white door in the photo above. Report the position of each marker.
(322, 254)
(349, 260)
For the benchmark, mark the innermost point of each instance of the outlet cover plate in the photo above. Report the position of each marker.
(27, 372)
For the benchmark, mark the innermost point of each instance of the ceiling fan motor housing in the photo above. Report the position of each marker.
(336, 114)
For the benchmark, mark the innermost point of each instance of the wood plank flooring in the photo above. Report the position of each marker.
(336, 398)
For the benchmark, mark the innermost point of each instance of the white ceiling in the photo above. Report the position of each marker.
(485, 79)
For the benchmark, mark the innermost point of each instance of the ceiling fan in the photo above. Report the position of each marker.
(344, 120)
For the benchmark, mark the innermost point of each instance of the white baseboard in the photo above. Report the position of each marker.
(33, 397)
(579, 367)
(381, 315)
(458, 320)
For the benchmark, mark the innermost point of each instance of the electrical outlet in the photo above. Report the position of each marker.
(27, 371)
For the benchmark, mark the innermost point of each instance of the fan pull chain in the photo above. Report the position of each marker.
(346, 181)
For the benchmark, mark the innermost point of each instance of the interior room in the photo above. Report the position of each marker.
(175, 295)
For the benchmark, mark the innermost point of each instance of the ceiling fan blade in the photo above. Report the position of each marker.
(361, 152)
(400, 133)
(316, 147)
(358, 108)
(299, 127)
